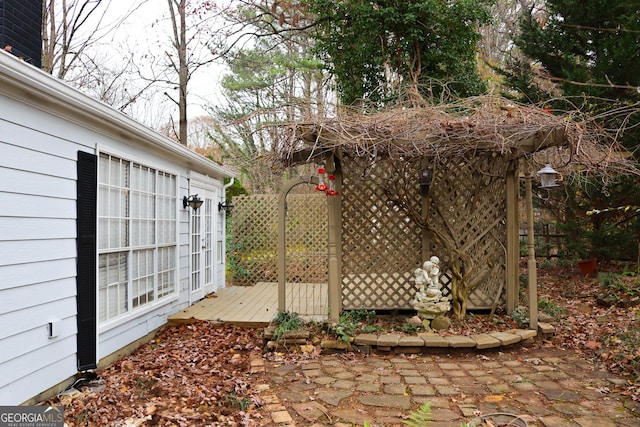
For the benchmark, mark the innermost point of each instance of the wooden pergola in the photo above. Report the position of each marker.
(441, 167)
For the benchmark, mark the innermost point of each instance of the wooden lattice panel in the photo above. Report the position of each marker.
(253, 255)
(380, 246)
(307, 234)
(472, 202)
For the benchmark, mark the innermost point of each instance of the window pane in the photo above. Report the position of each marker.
(112, 285)
(103, 169)
(142, 281)
(136, 204)
(166, 271)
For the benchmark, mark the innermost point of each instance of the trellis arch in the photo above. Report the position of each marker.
(309, 299)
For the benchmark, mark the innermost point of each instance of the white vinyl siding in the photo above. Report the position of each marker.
(137, 236)
(37, 255)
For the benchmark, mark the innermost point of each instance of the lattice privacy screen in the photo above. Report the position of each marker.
(253, 254)
(472, 199)
(381, 247)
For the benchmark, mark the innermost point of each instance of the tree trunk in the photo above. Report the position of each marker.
(183, 75)
(461, 288)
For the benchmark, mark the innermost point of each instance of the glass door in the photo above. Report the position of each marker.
(203, 248)
(207, 247)
(197, 288)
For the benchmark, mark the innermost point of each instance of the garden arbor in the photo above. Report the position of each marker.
(423, 180)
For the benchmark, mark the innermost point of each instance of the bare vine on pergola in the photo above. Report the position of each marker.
(462, 129)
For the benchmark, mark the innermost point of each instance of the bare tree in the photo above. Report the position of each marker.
(190, 50)
(82, 45)
(69, 29)
(177, 13)
(273, 78)
(496, 45)
(200, 133)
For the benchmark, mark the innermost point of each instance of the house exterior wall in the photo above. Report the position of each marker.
(39, 146)
(37, 252)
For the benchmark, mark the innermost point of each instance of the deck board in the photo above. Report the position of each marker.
(256, 306)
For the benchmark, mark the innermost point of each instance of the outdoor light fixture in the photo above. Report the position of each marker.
(426, 176)
(227, 206)
(548, 177)
(193, 201)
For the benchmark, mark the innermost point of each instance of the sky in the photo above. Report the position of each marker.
(146, 30)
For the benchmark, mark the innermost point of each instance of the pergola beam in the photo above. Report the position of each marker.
(541, 140)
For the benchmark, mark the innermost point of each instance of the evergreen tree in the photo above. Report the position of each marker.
(587, 47)
(377, 48)
(585, 54)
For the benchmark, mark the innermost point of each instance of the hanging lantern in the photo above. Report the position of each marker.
(321, 185)
(331, 191)
(548, 177)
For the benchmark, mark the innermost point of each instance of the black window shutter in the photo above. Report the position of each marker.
(86, 283)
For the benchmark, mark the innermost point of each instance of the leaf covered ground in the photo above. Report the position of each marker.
(188, 375)
(198, 374)
(598, 317)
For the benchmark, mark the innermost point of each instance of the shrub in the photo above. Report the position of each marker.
(286, 321)
(521, 315)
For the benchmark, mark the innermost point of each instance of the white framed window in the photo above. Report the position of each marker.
(136, 236)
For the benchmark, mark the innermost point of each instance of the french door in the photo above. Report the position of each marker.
(204, 224)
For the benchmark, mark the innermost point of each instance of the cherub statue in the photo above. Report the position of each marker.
(429, 301)
(434, 272)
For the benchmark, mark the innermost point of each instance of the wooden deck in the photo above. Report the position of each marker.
(255, 306)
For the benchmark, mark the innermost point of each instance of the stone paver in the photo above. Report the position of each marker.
(311, 411)
(332, 397)
(411, 341)
(281, 417)
(394, 388)
(386, 401)
(366, 339)
(343, 384)
(506, 338)
(433, 340)
(389, 340)
(368, 387)
(422, 390)
(547, 388)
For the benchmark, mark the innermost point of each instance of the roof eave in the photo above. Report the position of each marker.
(33, 86)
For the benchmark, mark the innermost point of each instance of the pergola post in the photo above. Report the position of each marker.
(282, 247)
(513, 238)
(531, 258)
(334, 205)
